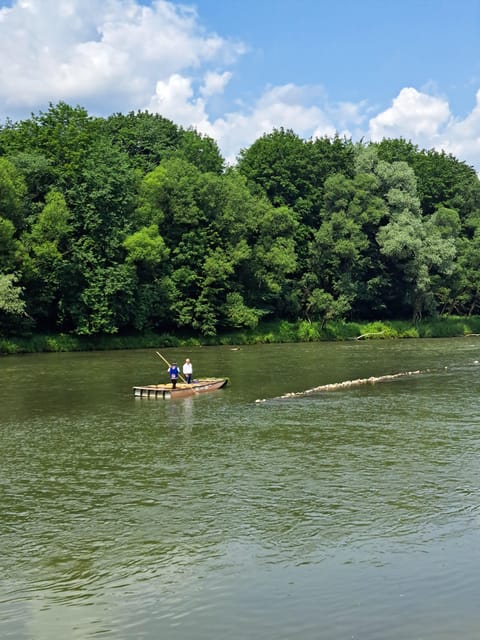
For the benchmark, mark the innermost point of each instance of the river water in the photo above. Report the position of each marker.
(350, 514)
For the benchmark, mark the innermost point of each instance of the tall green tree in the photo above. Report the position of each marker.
(46, 262)
(201, 151)
(62, 135)
(102, 199)
(415, 246)
(335, 254)
(277, 165)
(146, 138)
(148, 254)
(292, 172)
(275, 261)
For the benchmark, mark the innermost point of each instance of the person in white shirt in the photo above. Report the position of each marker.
(187, 370)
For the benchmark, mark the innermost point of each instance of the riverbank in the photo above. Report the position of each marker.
(271, 332)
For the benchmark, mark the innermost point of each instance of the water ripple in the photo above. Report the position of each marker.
(352, 514)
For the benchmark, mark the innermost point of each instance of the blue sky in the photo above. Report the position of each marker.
(235, 69)
(356, 49)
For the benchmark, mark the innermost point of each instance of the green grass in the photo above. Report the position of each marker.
(266, 333)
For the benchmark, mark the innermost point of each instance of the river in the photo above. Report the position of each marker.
(348, 514)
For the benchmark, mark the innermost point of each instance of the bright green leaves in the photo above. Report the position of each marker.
(47, 256)
(146, 247)
(13, 192)
(12, 304)
(322, 306)
(238, 314)
(11, 296)
(54, 221)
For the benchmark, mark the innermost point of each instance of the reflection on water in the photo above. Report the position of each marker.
(351, 514)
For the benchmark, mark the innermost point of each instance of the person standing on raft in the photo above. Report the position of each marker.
(187, 371)
(173, 372)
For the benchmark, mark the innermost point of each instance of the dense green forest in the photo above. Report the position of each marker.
(130, 223)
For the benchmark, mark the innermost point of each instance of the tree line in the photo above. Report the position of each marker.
(131, 223)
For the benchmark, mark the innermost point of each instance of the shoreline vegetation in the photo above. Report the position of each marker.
(123, 225)
(264, 333)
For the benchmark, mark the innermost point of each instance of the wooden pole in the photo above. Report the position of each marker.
(169, 365)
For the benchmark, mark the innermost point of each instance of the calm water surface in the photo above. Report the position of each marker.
(339, 515)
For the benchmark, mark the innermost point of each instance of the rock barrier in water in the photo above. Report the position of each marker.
(346, 384)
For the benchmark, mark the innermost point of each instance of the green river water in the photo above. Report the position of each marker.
(340, 515)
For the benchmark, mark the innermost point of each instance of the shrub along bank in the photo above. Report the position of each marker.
(265, 333)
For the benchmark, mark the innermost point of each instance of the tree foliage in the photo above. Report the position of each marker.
(12, 304)
(132, 223)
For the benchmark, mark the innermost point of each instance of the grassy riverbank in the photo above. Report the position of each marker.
(273, 332)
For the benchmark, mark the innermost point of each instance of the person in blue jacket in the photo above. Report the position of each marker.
(173, 372)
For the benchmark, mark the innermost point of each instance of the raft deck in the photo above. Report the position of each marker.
(182, 389)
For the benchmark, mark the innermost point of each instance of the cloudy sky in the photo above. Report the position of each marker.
(235, 69)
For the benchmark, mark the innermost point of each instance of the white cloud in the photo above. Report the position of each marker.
(215, 82)
(349, 114)
(462, 138)
(115, 51)
(427, 121)
(412, 115)
(119, 55)
(285, 106)
(175, 99)
(288, 106)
